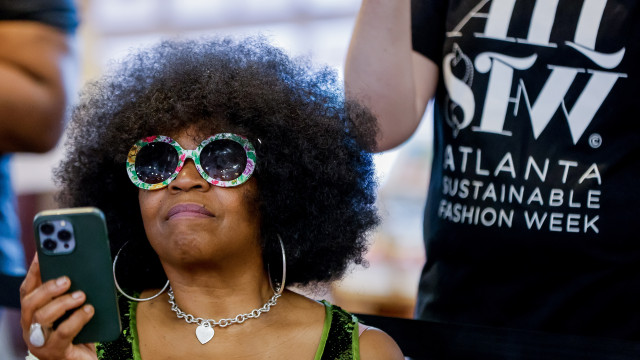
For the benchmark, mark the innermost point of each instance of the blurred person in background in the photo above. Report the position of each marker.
(35, 70)
(531, 216)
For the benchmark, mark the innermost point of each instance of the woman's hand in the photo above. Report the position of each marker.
(42, 304)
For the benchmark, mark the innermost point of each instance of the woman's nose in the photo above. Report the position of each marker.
(189, 179)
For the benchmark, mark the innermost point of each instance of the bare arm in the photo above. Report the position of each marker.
(384, 73)
(376, 344)
(35, 64)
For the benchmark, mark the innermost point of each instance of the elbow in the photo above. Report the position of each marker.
(40, 145)
(48, 138)
(48, 123)
(45, 145)
(44, 133)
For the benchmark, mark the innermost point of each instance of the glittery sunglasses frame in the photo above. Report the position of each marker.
(184, 154)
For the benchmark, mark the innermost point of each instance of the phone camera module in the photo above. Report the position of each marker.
(57, 236)
(64, 235)
(47, 228)
(49, 244)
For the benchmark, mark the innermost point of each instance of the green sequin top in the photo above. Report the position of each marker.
(339, 341)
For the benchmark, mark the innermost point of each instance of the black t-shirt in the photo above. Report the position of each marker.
(533, 201)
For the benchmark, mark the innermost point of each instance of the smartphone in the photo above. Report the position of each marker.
(74, 242)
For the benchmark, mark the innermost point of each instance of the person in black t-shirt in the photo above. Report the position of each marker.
(531, 213)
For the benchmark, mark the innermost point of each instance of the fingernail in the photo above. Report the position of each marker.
(76, 295)
(61, 281)
(88, 309)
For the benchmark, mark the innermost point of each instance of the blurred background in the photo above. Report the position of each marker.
(319, 29)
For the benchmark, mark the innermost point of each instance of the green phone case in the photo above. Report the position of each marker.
(88, 265)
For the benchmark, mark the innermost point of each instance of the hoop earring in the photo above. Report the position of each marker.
(279, 289)
(122, 291)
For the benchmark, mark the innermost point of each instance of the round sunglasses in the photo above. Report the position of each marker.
(223, 160)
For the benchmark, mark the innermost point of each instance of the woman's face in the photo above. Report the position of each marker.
(191, 222)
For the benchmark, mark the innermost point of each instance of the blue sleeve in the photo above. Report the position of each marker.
(61, 14)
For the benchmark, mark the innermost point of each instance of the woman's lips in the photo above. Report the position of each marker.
(188, 210)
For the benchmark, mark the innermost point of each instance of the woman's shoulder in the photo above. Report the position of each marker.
(376, 344)
(347, 333)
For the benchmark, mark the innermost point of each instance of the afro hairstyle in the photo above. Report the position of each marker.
(315, 175)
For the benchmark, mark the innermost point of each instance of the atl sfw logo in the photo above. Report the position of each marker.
(504, 70)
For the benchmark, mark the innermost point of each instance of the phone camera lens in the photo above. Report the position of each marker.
(64, 235)
(47, 228)
(49, 244)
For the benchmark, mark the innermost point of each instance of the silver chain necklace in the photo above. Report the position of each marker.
(204, 331)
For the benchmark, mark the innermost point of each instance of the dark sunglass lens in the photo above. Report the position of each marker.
(223, 159)
(156, 162)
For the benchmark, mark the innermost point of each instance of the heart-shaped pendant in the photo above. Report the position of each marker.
(204, 333)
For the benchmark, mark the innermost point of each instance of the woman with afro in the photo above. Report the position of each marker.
(226, 171)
